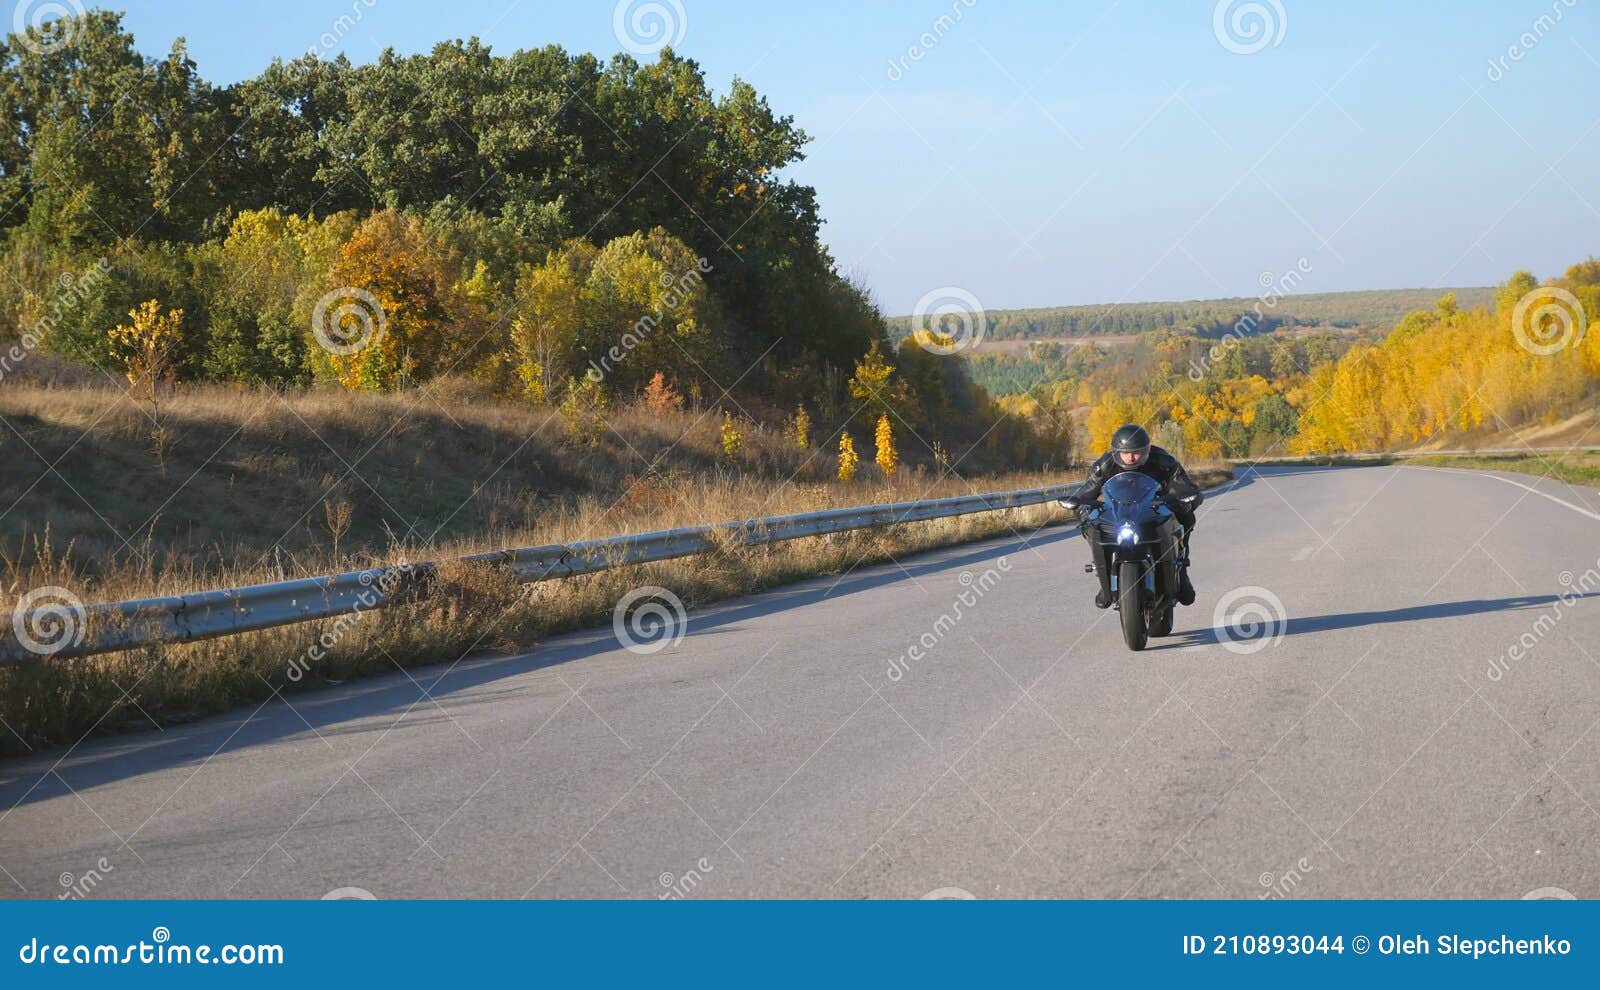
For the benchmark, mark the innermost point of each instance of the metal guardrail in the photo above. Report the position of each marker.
(201, 615)
(1403, 454)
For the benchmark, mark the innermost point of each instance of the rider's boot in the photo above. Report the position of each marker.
(1185, 588)
(1102, 598)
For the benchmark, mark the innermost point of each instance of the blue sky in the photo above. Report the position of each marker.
(1046, 153)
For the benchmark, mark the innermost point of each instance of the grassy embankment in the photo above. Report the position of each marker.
(212, 487)
(1572, 468)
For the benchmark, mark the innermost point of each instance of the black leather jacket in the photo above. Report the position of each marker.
(1160, 465)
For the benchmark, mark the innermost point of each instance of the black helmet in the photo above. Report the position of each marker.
(1130, 446)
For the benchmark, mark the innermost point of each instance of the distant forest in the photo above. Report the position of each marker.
(1366, 310)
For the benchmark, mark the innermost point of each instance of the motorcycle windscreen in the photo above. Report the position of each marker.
(1130, 489)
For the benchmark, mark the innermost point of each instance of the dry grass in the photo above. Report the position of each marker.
(245, 487)
(215, 478)
(472, 609)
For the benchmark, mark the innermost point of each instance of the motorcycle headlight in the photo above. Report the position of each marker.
(1127, 534)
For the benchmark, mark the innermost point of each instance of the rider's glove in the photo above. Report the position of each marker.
(1181, 511)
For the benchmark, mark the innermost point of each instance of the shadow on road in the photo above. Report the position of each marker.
(34, 779)
(1298, 625)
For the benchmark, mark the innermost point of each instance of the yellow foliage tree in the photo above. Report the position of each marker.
(876, 386)
(396, 314)
(732, 437)
(848, 459)
(1112, 410)
(1455, 370)
(149, 347)
(887, 457)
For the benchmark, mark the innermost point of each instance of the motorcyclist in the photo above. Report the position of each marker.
(1131, 450)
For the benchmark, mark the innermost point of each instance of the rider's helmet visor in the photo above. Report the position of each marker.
(1132, 458)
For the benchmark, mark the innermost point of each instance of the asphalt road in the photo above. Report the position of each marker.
(1377, 741)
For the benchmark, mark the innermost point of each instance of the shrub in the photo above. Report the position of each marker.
(659, 398)
(887, 457)
(148, 350)
(732, 437)
(584, 411)
(848, 458)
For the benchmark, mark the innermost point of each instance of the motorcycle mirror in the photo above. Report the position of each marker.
(1069, 502)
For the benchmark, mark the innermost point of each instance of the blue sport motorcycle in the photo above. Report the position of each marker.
(1145, 547)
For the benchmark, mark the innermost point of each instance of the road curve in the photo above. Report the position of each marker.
(1381, 740)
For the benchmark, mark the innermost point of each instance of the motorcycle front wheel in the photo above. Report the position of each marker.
(1130, 594)
(1161, 621)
